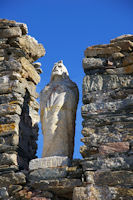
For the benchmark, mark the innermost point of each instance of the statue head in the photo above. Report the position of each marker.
(59, 70)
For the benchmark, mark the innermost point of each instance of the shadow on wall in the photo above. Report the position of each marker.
(28, 135)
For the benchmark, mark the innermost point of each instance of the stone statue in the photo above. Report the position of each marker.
(58, 102)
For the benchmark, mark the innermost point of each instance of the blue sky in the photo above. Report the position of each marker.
(66, 28)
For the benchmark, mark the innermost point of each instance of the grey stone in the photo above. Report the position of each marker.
(80, 193)
(113, 132)
(11, 178)
(8, 119)
(58, 186)
(9, 109)
(47, 174)
(30, 46)
(102, 120)
(9, 168)
(12, 97)
(106, 82)
(10, 32)
(10, 140)
(120, 106)
(8, 159)
(106, 95)
(49, 162)
(12, 65)
(121, 162)
(92, 63)
(4, 193)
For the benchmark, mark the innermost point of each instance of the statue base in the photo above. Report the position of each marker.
(49, 162)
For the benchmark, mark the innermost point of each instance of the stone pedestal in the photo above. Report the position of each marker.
(49, 162)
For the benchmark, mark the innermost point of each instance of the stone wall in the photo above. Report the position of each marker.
(19, 117)
(105, 172)
(108, 120)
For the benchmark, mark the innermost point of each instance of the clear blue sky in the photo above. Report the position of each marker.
(66, 28)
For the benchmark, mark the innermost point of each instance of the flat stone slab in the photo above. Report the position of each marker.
(49, 162)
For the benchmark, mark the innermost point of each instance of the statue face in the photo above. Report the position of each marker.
(59, 69)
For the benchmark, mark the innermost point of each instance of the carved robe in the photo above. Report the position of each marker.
(58, 101)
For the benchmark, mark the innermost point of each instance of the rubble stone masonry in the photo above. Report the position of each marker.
(106, 170)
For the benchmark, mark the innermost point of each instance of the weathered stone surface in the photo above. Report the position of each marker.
(8, 119)
(102, 51)
(9, 140)
(123, 70)
(10, 177)
(58, 103)
(123, 37)
(32, 74)
(47, 174)
(106, 119)
(106, 149)
(30, 86)
(116, 132)
(80, 193)
(111, 107)
(8, 159)
(121, 162)
(92, 63)
(113, 178)
(30, 46)
(57, 186)
(4, 193)
(107, 95)
(10, 32)
(128, 60)
(107, 193)
(106, 82)
(9, 109)
(4, 23)
(109, 148)
(12, 65)
(49, 162)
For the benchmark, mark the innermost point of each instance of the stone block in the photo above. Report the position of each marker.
(32, 73)
(48, 174)
(6, 129)
(30, 46)
(9, 178)
(106, 82)
(128, 60)
(12, 65)
(122, 37)
(117, 107)
(113, 132)
(106, 95)
(92, 63)
(80, 193)
(10, 32)
(121, 70)
(106, 119)
(8, 159)
(118, 162)
(113, 178)
(59, 186)
(107, 193)
(8, 141)
(49, 162)
(101, 51)
(9, 119)
(114, 147)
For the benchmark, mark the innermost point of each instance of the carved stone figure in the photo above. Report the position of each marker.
(58, 102)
